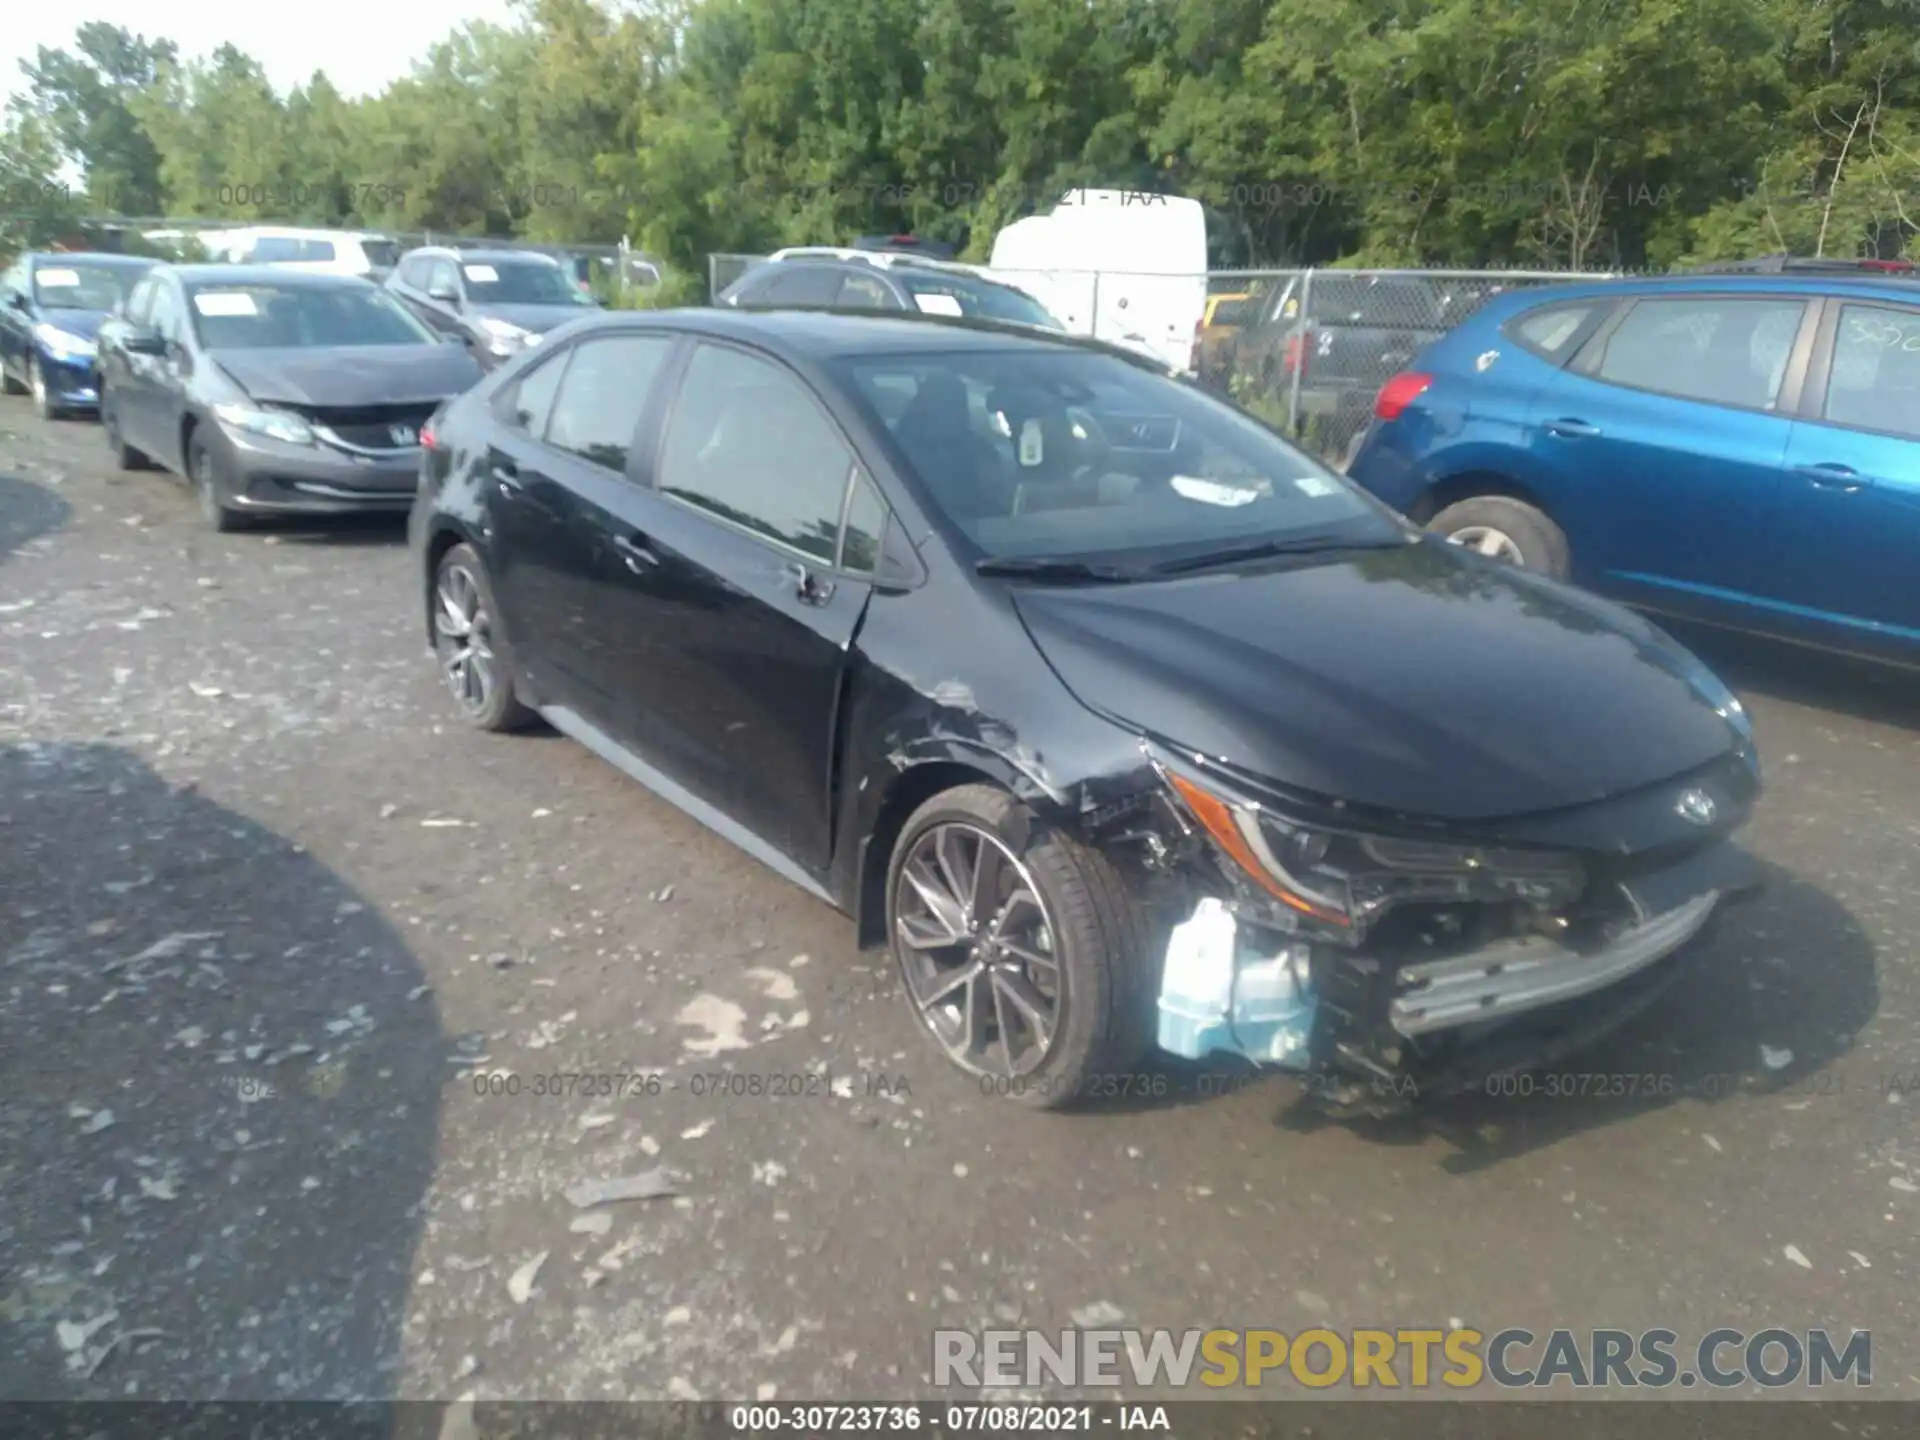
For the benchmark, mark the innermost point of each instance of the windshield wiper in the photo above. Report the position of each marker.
(1054, 567)
(1262, 549)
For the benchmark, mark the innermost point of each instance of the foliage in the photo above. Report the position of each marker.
(1457, 132)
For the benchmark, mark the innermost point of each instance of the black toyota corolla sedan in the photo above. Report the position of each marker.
(1117, 718)
(274, 391)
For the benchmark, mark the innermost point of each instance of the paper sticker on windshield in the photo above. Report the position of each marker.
(1033, 448)
(1213, 492)
(481, 274)
(1313, 485)
(938, 304)
(225, 302)
(56, 279)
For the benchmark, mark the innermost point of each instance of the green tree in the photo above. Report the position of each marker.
(82, 99)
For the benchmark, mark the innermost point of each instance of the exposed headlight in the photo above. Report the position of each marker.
(63, 344)
(1342, 877)
(505, 337)
(274, 424)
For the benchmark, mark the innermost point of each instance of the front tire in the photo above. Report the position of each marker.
(209, 488)
(43, 405)
(1023, 953)
(1503, 528)
(124, 455)
(464, 638)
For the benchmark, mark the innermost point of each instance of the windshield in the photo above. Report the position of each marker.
(259, 317)
(938, 294)
(520, 282)
(381, 254)
(1234, 310)
(81, 286)
(284, 250)
(1083, 456)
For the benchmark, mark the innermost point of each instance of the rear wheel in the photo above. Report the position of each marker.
(476, 673)
(1023, 953)
(210, 486)
(1502, 528)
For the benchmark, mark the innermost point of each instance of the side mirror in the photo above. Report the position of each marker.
(19, 301)
(445, 294)
(144, 342)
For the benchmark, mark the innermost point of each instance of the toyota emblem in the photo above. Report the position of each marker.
(1696, 807)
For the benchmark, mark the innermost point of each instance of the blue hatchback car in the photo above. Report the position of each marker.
(1741, 449)
(51, 306)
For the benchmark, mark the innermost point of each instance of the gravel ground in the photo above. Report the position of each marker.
(267, 911)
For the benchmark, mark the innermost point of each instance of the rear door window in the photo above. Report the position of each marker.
(528, 402)
(1550, 331)
(864, 292)
(603, 395)
(1875, 379)
(1721, 349)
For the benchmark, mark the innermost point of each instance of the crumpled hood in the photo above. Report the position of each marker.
(537, 318)
(351, 375)
(84, 323)
(1414, 679)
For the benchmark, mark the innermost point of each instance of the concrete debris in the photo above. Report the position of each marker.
(598, 1223)
(778, 986)
(1904, 1185)
(520, 1283)
(694, 1132)
(1099, 1313)
(769, 1173)
(98, 1121)
(74, 1335)
(1792, 1252)
(720, 1018)
(647, 1185)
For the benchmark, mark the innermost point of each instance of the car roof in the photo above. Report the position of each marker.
(299, 232)
(277, 275)
(37, 258)
(1795, 283)
(816, 335)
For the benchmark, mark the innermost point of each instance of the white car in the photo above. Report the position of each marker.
(331, 252)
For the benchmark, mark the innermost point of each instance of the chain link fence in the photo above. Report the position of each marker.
(1306, 350)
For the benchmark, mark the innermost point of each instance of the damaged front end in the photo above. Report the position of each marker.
(1394, 962)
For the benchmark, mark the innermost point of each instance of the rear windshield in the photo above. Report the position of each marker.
(280, 250)
(77, 285)
(520, 282)
(381, 253)
(261, 317)
(1373, 302)
(1235, 312)
(938, 294)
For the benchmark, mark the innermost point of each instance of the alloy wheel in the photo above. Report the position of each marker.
(463, 636)
(1485, 540)
(977, 951)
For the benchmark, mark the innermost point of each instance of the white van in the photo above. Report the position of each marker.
(1126, 266)
(330, 252)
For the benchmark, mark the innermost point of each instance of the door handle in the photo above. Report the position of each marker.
(808, 587)
(1832, 476)
(636, 552)
(1568, 428)
(505, 473)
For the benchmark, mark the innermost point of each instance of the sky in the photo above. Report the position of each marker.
(361, 44)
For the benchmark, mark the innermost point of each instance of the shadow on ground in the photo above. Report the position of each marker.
(28, 511)
(222, 1080)
(1803, 676)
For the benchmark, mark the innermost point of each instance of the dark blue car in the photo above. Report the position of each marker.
(1741, 449)
(51, 306)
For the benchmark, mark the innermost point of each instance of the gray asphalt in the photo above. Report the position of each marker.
(267, 910)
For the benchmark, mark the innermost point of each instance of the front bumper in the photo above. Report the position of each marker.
(269, 477)
(71, 384)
